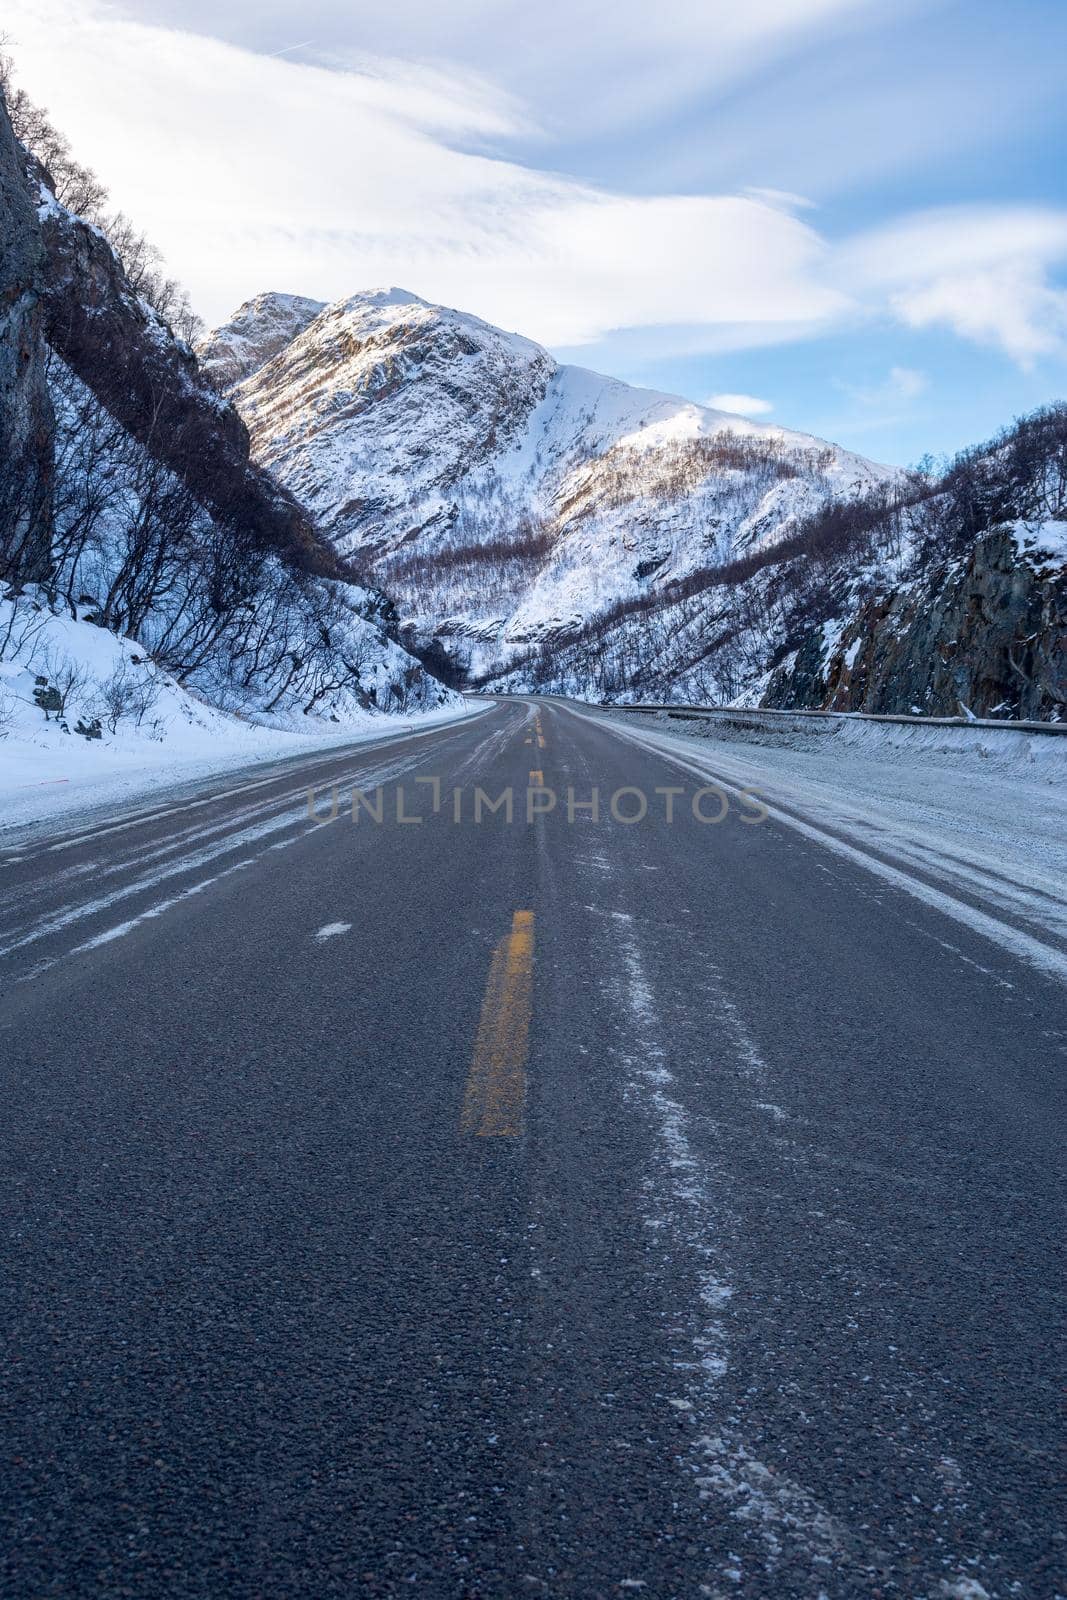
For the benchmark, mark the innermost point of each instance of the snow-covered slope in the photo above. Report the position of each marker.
(88, 719)
(256, 332)
(501, 498)
(187, 593)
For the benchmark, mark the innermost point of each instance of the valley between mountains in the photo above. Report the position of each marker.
(538, 525)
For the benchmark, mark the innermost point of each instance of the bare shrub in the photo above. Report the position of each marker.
(23, 619)
(61, 683)
(128, 695)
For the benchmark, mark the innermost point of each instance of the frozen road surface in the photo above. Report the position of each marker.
(542, 1166)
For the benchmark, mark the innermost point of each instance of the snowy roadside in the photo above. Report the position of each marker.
(67, 776)
(88, 719)
(984, 816)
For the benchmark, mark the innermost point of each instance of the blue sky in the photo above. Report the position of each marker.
(848, 215)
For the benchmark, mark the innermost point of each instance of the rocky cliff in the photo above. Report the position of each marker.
(256, 332)
(122, 351)
(984, 633)
(25, 409)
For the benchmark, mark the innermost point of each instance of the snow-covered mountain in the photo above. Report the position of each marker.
(255, 333)
(156, 585)
(501, 498)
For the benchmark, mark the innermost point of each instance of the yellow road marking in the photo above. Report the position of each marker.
(537, 777)
(496, 1083)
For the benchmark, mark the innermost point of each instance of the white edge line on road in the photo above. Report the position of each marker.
(1042, 956)
(120, 929)
(183, 861)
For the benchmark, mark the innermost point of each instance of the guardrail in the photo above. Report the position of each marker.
(752, 716)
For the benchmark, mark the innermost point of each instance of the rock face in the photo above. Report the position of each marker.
(26, 423)
(151, 383)
(255, 333)
(501, 498)
(987, 631)
(160, 528)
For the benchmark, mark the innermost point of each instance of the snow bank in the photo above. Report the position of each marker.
(983, 812)
(87, 718)
(1003, 748)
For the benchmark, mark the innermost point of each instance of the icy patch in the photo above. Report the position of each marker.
(688, 1201)
(772, 1110)
(776, 1506)
(330, 930)
(681, 1198)
(687, 1206)
(1041, 539)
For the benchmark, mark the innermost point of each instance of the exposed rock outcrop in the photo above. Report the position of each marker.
(986, 631)
(150, 382)
(26, 428)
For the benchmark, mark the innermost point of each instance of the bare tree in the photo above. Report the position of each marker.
(80, 190)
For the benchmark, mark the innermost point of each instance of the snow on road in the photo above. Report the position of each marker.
(984, 816)
(44, 780)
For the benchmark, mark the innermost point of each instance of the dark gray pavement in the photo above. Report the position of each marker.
(762, 1298)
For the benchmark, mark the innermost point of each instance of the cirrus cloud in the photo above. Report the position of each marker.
(986, 272)
(253, 171)
(260, 171)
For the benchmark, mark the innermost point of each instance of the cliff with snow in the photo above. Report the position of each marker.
(131, 508)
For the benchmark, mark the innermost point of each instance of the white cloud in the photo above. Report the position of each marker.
(744, 405)
(901, 385)
(583, 68)
(951, 239)
(982, 271)
(261, 172)
(254, 172)
(784, 199)
(1012, 306)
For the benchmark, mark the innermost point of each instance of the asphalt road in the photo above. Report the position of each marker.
(504, 1208)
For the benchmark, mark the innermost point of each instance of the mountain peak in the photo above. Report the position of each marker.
(254, 334)
(391, 296)
(502, 496)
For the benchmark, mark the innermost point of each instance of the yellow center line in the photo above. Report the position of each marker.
(496, 1083)
(537, 778)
